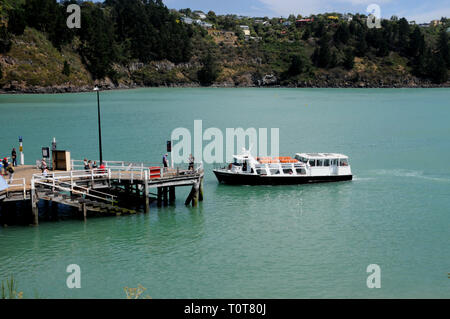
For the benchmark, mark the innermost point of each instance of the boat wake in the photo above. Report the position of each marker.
(411, 174)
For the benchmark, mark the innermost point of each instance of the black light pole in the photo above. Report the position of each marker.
(99, 125)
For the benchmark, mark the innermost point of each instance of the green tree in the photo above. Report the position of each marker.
(50, 17)
(416, 45)
(209, 72)
(66, 69)
(306, 33)
(5, 40)
(319, 29)
(403, 35)
(16, 21)
(349, 59)
(438, 69)
(322, 54)
(342, 34)
(97, 49)
(361, 44)
(333, 60)
(296, 66)
(148, 31)
(443, 46)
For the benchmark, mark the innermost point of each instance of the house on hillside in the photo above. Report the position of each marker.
(187, 20)
(200, 14)
(347, 17)
(263, 22)
(301, 22)
(435, 23)
(246, 30)
(203, 24)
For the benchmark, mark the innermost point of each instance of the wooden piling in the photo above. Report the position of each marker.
(34, 204)
(165, 191)
(195, 196)
(83, 210)
(200, 198)
(146, 193)
(159, 196)
(190, 196)
(172, 194)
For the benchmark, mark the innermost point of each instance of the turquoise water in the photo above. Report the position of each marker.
(309, 241)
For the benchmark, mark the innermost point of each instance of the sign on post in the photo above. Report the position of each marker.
(22, 157)
(45, 152)
(169, 150)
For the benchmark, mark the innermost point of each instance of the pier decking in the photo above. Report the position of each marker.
(103, 190)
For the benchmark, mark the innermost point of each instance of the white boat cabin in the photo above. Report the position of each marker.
(304, 164)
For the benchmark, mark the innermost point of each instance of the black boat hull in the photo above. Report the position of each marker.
(244, 179)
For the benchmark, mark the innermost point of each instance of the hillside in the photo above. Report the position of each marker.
(125, 44)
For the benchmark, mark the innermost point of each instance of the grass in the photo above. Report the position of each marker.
(136, 293)
(38, 63)
(9, 291)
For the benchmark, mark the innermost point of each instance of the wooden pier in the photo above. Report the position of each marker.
(106, 191)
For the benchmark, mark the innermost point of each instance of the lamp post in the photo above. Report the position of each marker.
(99, 124)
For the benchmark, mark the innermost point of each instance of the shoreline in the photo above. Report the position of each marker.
(85, 89)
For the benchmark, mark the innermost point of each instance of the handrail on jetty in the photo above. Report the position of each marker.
(14, 183)
(66, 182)
(105, 189)
(129, 170)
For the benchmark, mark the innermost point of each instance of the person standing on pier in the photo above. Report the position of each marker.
(165, 161)
(5, 166)
(10, 169)
(191, 162)
(43, 165)
(14, 157)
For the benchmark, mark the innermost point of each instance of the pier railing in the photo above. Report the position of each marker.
(66, 182)
(17, 183)
(132, 171)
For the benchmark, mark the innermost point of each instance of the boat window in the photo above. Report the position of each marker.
(334, 162)
(274, 171)
(312, 162)
(326, 162)
(343, 162)
(235, 163)
(261, 171)
(300, 159)
(319, 162)
(288, 171)
(301, 171)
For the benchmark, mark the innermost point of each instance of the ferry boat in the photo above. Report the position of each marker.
(303, 168)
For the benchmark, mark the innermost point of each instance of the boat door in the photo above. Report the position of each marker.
(334, 167)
